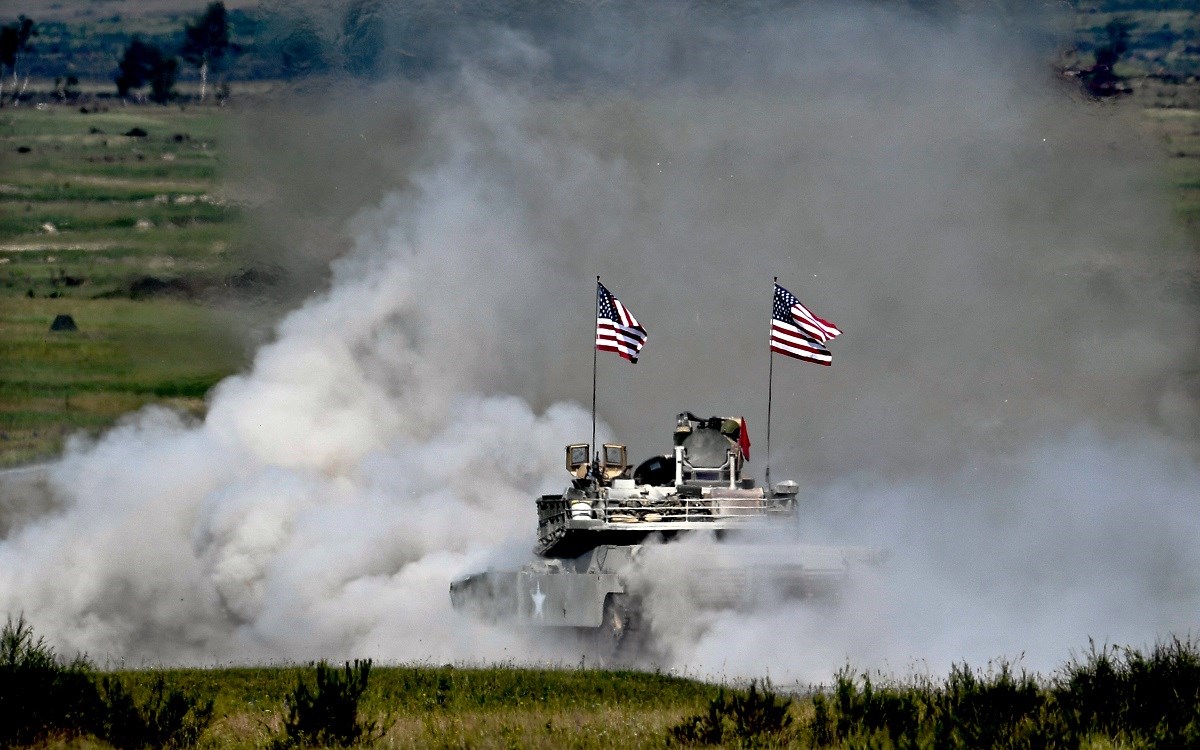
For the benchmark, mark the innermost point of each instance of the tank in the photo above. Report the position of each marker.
(606, 542)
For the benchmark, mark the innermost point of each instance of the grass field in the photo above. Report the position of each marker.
(448, 707)
(130, 236)
(452, 707)
(1179, 131)
(1109, 697)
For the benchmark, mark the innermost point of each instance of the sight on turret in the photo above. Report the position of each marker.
(698, 486)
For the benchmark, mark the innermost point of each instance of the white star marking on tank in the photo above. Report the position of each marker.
(539, 599)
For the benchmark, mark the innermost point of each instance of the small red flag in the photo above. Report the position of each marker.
(744, 440)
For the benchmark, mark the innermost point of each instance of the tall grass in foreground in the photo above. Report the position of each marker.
(743, 718)
(39, 694)
(42, 697)
(1106, 697)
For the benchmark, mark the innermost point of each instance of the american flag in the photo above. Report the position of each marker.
(798, 333)
(616, 328)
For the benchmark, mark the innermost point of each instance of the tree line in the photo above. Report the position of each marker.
(376, 38)
(144, 65)
(205, 45)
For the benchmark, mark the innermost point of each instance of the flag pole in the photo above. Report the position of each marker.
(594, 365)
(770, 387)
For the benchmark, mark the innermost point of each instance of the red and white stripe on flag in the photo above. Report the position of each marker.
(790, 340)
(796, 332)
(821, 330)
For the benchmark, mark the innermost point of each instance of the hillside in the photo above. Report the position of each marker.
(368, 38)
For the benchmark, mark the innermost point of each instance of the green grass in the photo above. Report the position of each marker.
(125, 355)
(37, 192)
(450, 688)
(158, 122)
(1110, 697)
(1179, 132)
(128, 168)
(436, 707)
(85, 214)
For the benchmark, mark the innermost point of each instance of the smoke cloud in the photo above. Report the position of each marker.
(1011, 411)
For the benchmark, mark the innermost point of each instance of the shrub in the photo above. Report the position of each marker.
(328, 713)
(744, 718)
(168, 718)
(859, 708)
(1123, 692)
(976, 710)
(996, 708)
(42, 696)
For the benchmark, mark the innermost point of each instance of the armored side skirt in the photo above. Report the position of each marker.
(542, 598)
(572, 593)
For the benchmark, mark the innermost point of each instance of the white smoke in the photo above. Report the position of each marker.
(332, 491)
(1080, 537)
(1010, 410)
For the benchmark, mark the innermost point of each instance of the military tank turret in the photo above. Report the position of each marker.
(602, 542)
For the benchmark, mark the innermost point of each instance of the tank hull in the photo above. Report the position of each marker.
(573, 592)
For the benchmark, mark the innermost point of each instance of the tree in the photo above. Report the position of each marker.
(66, 88)
(14, 42)
(163, 80)
(206, 41)
(133, 70)
(1101, 80)
(145, 63)
(363, 37)
(301, 49)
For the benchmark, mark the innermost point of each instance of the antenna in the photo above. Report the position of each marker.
(770, 386)
(595, 453)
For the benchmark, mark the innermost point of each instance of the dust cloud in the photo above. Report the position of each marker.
(1011, 411)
